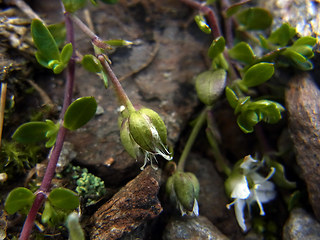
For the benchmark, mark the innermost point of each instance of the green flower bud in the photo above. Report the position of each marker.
(143, 131)
(127, 141)
(183, 189)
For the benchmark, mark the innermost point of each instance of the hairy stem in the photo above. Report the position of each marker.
(94, 38)
(54, 156)
(212, 139)
(194, 133)
(121, 94)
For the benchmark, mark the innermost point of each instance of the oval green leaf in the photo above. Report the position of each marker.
(210, 85)
(79, 112)
(31, 132)
(231, 97)
(64, 198)
(66, 53)
(44, 41)
(258, 74)
(18, 199)
(307, 40)
(58, 32)
(216, 47)
(242, 52)
(91, 63)
(255, 18)
(282, 35)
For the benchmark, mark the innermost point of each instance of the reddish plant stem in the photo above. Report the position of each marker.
(54, 156)
(209, 14)
(121, 94)
(94, 38)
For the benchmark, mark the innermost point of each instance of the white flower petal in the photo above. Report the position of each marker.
(238, 209)
(241, 189)
(195, 208)
(248, 162)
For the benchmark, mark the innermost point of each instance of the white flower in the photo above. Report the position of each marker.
(260, 190)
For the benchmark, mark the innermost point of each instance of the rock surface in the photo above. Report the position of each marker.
(301, 225)
(302, 101)
(128, 209)
(302, 14)
(192, 228)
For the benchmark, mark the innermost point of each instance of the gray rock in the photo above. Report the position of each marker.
(192, 228)
(301, 225)
(302, 101)
(302, 14)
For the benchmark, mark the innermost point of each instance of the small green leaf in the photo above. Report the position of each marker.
(270, 111)
(293, 55)
(42, 60)
(66, 53)
(231, 97)
(282, 35)
(216, 47)
(255, 18)
(118, 42)
(104, 77)
(91, 63)
(79, 112)
(58, 68)
(31, 132)
(307, 40)
(210, 85)
(58, 32)
(202, 24)
(258, 74)
(18, 199)
(52, 133)
(44, 41)
(242, 52)
(63, 198)
(73, 5)
(244, 125)
(279, 176)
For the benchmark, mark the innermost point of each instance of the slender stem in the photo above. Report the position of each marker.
(2, 106)
(121, 94)
(54, 157)
(199, 123)
(221, 163)
(94, 38)
(209, 14)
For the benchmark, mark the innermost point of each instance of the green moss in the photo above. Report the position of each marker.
(89, 187)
